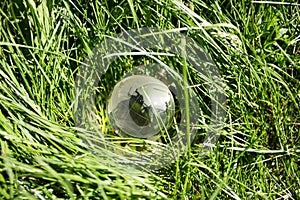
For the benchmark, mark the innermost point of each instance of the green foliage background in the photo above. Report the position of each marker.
(255, 46)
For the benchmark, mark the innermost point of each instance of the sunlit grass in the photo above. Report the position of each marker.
(255, 46)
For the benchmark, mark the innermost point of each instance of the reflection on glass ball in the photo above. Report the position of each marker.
(140, 106)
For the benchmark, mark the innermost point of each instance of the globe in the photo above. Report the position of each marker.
(140, 106)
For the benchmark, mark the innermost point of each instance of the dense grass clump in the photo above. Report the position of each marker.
(255, 45)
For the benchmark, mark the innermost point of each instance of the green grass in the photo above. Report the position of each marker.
(255, 47)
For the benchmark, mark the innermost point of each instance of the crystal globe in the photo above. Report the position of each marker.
(140, 106)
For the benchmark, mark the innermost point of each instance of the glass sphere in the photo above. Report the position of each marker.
(140, 106)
